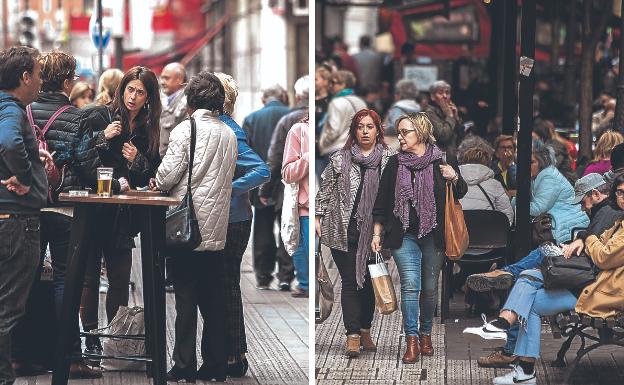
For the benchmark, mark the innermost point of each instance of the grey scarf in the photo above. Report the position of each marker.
(419, 194)
(364, 214)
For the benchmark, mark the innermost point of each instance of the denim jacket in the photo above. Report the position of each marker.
(250, 173)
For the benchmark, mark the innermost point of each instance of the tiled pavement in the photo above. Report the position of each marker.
(455, 358)
(277, 336)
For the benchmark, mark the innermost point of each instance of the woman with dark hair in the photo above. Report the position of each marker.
(129, 144)
(344, 221)
(199, 276)
(409, 220)
(528, 301)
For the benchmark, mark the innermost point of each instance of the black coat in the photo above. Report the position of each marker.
(122, 220)
(68, 139)
(144, 166)
(383, 211)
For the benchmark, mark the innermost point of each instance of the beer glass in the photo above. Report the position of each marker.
(104, 181)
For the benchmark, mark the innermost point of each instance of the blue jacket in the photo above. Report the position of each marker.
(551, 192)
(19, 156)
(250, 173)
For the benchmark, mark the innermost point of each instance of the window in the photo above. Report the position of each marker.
(47, 6)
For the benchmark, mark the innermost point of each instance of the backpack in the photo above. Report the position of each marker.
(53, 172)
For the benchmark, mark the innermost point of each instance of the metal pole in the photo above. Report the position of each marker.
(118, 52)
(100, 48)
(527, 85)
(509, 68)
(618, 122)
(5, 22)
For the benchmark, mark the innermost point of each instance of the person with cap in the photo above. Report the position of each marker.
(592, 192)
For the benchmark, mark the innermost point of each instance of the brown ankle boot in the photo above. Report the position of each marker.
(426, 347)
(367, 341)
(412, 350)
(353, 345)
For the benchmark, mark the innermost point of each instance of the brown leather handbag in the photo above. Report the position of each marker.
(455, 231)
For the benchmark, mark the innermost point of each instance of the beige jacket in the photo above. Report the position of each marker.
(171, 115)
(605, 297)
(213, 169)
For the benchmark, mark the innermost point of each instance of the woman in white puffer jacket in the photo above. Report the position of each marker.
(198, 275)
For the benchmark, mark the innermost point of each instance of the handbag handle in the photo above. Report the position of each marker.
(193, 139)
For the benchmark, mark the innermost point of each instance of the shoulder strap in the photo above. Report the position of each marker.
(486, 195)
(30, 117)
(193, 139)
(351, 103)
(53, 118)
(31, 120)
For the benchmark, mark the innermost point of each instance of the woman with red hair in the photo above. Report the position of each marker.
(344, 221)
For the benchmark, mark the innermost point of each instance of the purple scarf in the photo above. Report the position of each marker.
(420, 194)
(364, 214)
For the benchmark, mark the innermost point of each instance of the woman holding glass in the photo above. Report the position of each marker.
(409, 220)
(128, 144)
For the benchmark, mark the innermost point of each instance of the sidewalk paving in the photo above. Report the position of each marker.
(455, 360)
(277, 336)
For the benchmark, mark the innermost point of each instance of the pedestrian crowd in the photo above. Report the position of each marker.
(385, 152)
(56, 132)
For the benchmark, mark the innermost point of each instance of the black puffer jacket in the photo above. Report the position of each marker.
(68, 138)
(144, 166)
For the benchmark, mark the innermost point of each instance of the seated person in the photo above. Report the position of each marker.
(529, 300)
(504, 163)
(484, 191)
(592, 191)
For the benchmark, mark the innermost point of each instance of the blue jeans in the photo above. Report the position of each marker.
(19, 259)
(532, 261)
(419, 263)
(300, 256)
(529, 300)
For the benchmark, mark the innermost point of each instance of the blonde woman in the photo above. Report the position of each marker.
(251, 173)
(409, 220)
(602, 154)
(81, 94)
(109, 81)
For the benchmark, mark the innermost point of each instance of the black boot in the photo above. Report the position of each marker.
(238, 368)
(93, 346)
(176, 374)
(209, 373)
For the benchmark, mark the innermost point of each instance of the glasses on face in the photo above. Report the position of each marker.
(506, 148)
(619, 193)
(76, 77)
(404, 132)
(139, 92)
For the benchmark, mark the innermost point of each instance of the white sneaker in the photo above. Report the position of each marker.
(516, 376)
(487, 331)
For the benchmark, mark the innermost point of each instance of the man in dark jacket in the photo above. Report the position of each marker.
(259, 127)
(23, 191)
(274, 188)
(80, 163)
(447, 127)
